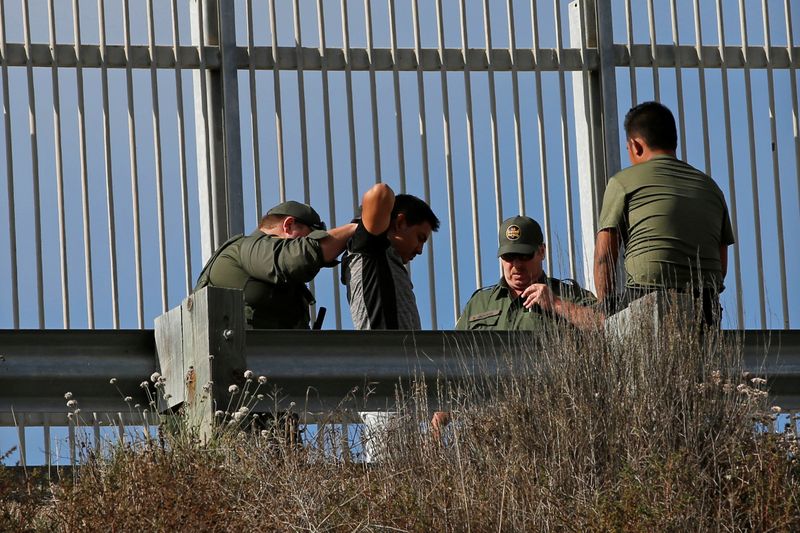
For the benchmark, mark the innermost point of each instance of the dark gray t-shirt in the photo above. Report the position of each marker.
(379, 289)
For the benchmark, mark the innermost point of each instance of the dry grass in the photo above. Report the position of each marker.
(581, 434)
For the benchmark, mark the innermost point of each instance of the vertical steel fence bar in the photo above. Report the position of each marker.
(46, 437)
(59, 162)
(731, 168)
(162, 245)
(351, 128)
(212, 222)
(678, 78)
(23, 448)
(187, 246)
(96, 432)
(87, 242)
(448, 154)
(631, 67)
(276, 79)
(776, 176)
(701, 75)
(137, 234)
(562, 91)
(301, 100)
(398, 108)
(753, 167)
(476, 238)
(71, 441)
(326, 116)
(793, 89)
(112, 234)
(348, 80)
(423, 144)
(251, 69)
(652, 24)
(498, 191)
(373, 96)
(12, 217)
(34, 140)
(512, 45)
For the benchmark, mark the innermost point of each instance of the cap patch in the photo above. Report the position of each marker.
(513, 232)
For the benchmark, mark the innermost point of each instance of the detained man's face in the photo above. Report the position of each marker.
(520, 271)
(408, 241)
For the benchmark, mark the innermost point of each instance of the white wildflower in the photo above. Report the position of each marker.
(292, 404)
(68, 396)
(264, 433)
(238, 416)
(77, 411)
(72, 403)
(113, 381)
(741, 388)
(758, 381)
(233, 389)
(260, 397)
(70, 416)
(154, 376)
(262, 380)
(248, 374)
(167, 396)
(144, 384)
(137, 405)
(244, 410)
(776, 408)
(128, 399)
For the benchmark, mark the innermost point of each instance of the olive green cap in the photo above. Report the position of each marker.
(519, 235)
(302, 212)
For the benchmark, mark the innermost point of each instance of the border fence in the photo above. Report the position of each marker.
(142, 150)
(139, 134)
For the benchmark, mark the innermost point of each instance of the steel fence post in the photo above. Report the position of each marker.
(596, 117)
(222, 144)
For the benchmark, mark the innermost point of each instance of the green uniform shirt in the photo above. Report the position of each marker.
(273, 273)
(673, 220)
(492, 308)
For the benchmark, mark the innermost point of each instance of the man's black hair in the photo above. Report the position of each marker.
(654, 123)
(415, 210)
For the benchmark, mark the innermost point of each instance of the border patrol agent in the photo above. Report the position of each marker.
(273, 264)
(526, 298)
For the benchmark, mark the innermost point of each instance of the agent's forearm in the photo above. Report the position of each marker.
(336, 241)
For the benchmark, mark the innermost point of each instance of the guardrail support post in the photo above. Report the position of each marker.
(200, 348)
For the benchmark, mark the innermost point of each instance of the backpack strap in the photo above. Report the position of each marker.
(204, 279)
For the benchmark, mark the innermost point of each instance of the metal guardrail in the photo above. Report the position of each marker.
(37, 368)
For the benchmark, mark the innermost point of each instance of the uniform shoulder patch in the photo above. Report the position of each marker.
(486, 314)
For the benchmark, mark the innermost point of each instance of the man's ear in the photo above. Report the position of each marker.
(287, 225)
(637, 146)
(543, 249)
(398, 222)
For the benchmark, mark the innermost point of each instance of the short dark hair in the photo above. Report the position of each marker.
(653, 122)
(415, 210)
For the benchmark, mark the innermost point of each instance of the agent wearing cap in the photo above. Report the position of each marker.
(526, 298)
(273, 264)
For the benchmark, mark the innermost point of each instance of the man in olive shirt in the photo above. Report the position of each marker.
(672, 218)
(273, 264)
(526, 298)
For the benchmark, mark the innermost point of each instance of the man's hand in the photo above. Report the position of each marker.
(538, 294)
